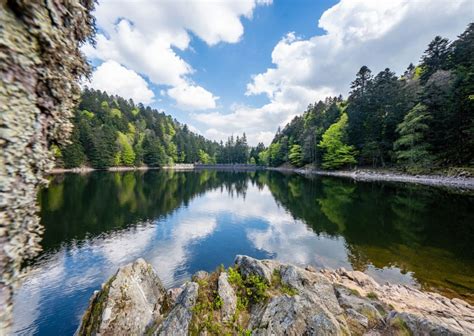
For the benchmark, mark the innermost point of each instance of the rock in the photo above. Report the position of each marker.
(296, 301)
(127, 304)
(420, 311)
(262, 268)
(229, 299)
(200, 275)
(173, 293)
(361, 312)
(177, 321)
(418, 325)
(314, 310)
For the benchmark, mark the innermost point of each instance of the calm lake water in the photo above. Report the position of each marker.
(182, 222)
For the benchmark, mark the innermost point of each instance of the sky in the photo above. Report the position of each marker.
(228, 67)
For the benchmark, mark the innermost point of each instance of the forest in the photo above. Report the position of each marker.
(416, 122)
(112, 131)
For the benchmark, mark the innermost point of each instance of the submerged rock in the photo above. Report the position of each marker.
(265, 297)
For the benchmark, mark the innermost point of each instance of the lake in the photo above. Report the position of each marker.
(182, 222)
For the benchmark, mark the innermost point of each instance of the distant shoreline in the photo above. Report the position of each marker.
(179, 167)
(388, 176)
(358, 175)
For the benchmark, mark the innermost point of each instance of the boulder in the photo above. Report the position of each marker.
(228, 297)
(314, 310)
(199, 275)
(178, 319)
(296, 301)
(127, 304)
(262, 268)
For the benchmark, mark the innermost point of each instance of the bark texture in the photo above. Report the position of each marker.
(40, 67)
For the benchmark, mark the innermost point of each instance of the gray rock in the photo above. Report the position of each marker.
(172, 294)
(314, 310)
(351, 303)
(418, 325)
(262, 268)
(229, 299)
(177, 321)
(200, 275)
(127, 304)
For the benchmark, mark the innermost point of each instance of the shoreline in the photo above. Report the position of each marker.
(269, 297)
(177, 167)
(367, 175)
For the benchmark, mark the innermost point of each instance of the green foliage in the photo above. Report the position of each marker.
(112, 131)
(372, 295)
(411, 148)
(296, 156)
(127, 155)
(116, 113)
(204, 157)
(278, 285)
(337, 153)
(443, 82)
(87, 114)
(73, 154)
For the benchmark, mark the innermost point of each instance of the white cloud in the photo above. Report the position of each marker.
(375, 33)
(110, 76)
(142, 36)
(189, 97)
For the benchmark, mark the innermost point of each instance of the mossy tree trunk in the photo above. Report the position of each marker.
(40, 66)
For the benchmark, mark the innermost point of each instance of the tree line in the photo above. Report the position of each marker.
(419, 120)
(112, 131)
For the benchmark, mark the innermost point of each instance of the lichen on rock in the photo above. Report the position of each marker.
(294, 301)
(40, 67)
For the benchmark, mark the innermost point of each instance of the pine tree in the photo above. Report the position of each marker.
(435, 57)
(411, 148)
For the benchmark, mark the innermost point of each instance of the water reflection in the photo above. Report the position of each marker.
(185, 221)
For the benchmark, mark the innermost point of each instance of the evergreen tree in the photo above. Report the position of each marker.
(412, 149)
(73, 154)
(435, 57)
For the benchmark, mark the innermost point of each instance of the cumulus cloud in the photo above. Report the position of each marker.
(143, 35)
(189, 97)
(110, 76)
(375, 33)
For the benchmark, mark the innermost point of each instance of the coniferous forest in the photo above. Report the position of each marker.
(112, 131)
(422, 119)
(418, 121)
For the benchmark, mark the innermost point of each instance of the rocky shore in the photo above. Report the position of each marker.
(266, 297)
(459, 182)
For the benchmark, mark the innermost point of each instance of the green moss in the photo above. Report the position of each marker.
(399, 327)
(206, 311)
(372, 295)
(93, 316)
(280, 287)
(354, 292)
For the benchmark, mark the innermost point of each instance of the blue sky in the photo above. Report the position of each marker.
(225, 67)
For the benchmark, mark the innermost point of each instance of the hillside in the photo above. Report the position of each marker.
(112, 131)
